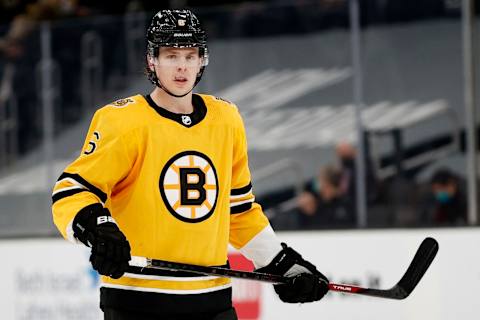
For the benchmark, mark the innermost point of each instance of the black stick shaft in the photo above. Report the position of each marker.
(417, 268)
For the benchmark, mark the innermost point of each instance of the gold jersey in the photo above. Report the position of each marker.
(178, 187)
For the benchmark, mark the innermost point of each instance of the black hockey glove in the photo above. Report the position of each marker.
(94, 226)
(307, 283)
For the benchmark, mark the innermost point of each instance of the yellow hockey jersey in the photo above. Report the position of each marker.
(177, 185)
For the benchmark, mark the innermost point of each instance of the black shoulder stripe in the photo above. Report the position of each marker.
(99, 193)
(67, 193)
(242, 190)
(241, 208)
(167, 273)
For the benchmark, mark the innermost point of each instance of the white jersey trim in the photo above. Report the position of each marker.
(67, 188)
(262, 248)
(234, 204)
(76, 184)
(241, 195)
(72, 181)
(169, 291)
(69, 232)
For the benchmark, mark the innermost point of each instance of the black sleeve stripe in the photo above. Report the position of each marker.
(64, 194)
(241, 208)
(99, 193)
(242, 190)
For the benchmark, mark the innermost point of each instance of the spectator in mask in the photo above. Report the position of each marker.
(446, 203)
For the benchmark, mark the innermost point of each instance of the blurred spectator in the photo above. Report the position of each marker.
(19, 47)
(22, 25)
(446, 200)
(11, 8)
(346, 153)
(322, 204)
(16, 47)
(329, 199)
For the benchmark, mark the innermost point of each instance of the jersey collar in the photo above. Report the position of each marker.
(186, 120)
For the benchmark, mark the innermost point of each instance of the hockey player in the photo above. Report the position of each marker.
(166, 176)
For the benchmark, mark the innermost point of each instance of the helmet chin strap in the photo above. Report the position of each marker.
(161, 86)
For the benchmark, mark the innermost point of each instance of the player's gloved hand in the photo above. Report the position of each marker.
(307, 283)
(94, 226)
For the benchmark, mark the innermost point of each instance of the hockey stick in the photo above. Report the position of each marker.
(417, 268)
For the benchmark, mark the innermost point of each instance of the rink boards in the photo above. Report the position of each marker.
(51, 279)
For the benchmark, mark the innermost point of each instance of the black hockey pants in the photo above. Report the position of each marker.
(116, 314)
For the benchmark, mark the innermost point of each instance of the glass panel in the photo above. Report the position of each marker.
(288, 68)
(413, 88)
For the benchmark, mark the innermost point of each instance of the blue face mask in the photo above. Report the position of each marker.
(443, 197)
(316, 186)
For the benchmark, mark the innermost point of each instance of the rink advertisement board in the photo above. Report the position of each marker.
(247, 295)
(51, 279)
(47, 279)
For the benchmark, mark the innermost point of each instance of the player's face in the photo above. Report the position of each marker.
(177, 68)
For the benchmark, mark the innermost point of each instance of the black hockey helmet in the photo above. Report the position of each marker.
(178, 29)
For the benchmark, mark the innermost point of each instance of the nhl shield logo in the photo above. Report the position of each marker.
(186, 120)
(181, 23)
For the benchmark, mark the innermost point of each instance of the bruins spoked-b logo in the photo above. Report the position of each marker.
(189, 186)
(122, 102)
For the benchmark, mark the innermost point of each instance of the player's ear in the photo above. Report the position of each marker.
(151, 62)
(199, 66)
